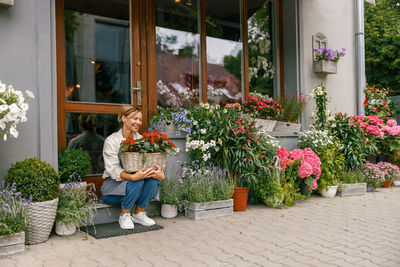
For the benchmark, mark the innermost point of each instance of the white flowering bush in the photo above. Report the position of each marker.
(317, 140)
(13, 107)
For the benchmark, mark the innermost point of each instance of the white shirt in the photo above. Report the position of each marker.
(111, 147)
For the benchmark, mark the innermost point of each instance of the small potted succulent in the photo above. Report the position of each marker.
(38, 180)
(325, 60)
(14, 219)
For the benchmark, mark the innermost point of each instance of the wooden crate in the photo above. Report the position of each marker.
(198, 211)
(10, 245)
(356, 189)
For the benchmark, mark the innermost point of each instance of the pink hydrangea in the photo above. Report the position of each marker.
(305, 170)
(391, 123)
(297, 154)
(314, 184)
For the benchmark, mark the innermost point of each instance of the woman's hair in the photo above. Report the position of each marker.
(126, 111)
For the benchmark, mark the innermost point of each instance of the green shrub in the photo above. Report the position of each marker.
(170, 192)
(332, 167)
(36, 178)
(73, 164)
(352, 177)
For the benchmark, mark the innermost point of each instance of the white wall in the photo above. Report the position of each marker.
(27, 61)
(336, 19)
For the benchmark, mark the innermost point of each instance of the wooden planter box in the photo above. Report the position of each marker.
(197, 211)
(283, 126)
(325, 66)
(266, 125)
(6, 3)
(356, 189)
(10, 245)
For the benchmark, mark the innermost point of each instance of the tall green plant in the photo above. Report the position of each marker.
(321, 100)
(73, 164)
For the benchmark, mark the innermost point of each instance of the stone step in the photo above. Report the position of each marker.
(107, 213)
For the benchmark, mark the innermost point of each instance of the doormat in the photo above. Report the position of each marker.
(112, 229)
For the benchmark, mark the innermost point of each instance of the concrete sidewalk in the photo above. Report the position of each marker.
(347, 231)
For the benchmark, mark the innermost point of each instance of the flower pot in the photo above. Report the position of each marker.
(325, 66)
(396, 183)
(42, 216)
(240, 195)
(169, 211)
(13, 244)
(330, 192)
(283, 126)
(386, 184)
(370, 189)
(305, 191)
(65, 229)
(170, 127)
(266, 125)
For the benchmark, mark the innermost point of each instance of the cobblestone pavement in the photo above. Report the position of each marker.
(347, 231)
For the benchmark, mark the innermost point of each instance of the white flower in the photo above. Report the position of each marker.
(216, 149)
(203, 131)
(219, 141)
(5, 137)
(194, 122)
(29, 94)
(13, 131)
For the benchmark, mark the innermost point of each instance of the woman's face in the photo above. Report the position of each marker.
(133, 121)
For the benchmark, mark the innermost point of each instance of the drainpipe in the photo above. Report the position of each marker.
(360, 48)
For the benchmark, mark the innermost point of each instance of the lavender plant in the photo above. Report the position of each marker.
(179, 116)
(14, 211)
(170, 192)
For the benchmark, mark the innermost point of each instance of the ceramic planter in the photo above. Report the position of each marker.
(169, 211)
(13, 244)
(283, 126)
(197, 211)
(330, 192)
(325, 67)
(65, 229)
(240, 197)
(356, 189)
(266, 125)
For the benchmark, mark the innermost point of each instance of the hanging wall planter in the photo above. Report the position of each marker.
(325, 66)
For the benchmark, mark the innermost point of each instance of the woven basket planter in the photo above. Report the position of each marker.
(42, 216)
(134, 161)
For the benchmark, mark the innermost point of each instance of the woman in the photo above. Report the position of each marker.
(125, 189)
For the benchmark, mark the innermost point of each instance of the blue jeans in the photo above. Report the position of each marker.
(140, 192)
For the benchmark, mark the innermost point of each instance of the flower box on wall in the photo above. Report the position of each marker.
(325, 66)
(197, 211)
(6, 3)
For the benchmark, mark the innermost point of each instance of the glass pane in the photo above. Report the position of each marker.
(88, 131)
(177, 46)
(261, 63)
(224, 52)
(97, 51)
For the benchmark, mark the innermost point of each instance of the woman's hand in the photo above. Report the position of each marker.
(143, 174)
(158, 173)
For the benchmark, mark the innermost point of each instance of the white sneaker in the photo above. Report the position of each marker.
(142, 219)
(125, 221)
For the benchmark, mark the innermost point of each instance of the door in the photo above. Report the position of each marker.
(100, 61)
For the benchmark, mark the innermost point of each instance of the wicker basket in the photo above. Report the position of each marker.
(42, 216)
(134, 161)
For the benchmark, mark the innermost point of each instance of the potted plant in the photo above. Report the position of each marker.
(39, 181)
(288, 119)
(265, 112)
(390, 171)
(73, 164)
(172, 120)
(207, 192)
(147, 151)
(14, 219)
(75, 207)
(351, 183)
(325, 60)
(170, 197)
(13, 109)
(373, 175)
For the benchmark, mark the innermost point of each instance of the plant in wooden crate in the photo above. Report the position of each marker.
(292, 108)
(38, 180)
(170, 197)
(73, 164)
(352, 183)
(327, 147)
(76, 206)
(207, 191)
(14, 219)
(147, 151)
(264, 111)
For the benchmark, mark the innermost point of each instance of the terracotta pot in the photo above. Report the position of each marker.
(386, 184)
(240, 195)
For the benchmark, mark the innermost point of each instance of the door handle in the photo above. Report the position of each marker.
(138, 90)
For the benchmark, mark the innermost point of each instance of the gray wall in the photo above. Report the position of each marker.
(27, 61)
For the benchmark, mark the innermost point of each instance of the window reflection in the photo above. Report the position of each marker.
(88, 131)
(177, 47)
(224, 52)
(97, 51)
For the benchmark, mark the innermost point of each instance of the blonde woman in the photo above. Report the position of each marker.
(125, 189)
